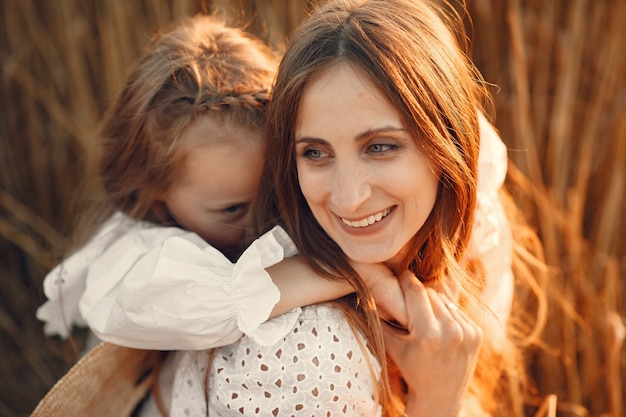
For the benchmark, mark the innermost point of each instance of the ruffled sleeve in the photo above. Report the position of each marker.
(492, 166)
(492, 158)
(269, 249)
(165, 288)
(178, 292)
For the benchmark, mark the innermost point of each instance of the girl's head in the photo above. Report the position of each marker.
(405, 55)
(182, 142)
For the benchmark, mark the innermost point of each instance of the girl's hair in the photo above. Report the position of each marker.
(411, 53)
(200, 67)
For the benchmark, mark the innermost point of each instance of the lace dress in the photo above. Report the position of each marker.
(321, 367)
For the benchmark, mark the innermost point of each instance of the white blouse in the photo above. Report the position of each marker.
(145, 286)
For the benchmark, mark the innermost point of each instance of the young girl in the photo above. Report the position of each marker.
(180, 161)
(181, 153)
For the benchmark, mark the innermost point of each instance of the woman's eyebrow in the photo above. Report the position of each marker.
(361, 136)
(309, 139)
(376, 131)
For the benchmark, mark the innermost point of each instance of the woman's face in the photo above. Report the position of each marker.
(363, 175)
(212, 191)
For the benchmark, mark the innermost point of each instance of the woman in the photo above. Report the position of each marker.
(373, 142)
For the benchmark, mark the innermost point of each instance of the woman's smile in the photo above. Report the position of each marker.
(367, 221)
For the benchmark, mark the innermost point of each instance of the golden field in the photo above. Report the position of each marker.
(559, 77)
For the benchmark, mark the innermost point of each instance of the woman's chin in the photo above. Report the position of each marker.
(367, 257)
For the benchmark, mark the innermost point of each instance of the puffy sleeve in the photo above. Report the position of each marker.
(182, 293)
(491, 239)
(321, 367)
(166, 288)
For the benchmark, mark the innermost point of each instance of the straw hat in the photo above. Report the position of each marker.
(110, 380)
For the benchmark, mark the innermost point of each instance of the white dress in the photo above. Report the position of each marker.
(145, 286)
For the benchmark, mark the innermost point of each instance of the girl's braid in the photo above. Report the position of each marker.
(254, 100)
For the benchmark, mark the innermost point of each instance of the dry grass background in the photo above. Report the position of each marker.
(561, 108)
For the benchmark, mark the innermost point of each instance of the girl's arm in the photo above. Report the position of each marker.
(184, 294)
(300, 286)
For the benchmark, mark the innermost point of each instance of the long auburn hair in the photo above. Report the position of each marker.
(412, 53)
(199, 66)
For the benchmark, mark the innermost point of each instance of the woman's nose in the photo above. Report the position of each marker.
(351, 187)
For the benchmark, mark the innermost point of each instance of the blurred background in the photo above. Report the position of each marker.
(560, 96)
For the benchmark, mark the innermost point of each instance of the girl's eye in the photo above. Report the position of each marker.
(381, 147)
(236, 209)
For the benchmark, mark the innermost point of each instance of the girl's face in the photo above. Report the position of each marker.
(213, 188)
(363, 175)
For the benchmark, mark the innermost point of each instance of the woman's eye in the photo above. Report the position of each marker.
(313, 154)
(381, 147)
(236, 209)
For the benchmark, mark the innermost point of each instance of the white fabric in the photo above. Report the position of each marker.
(492, 158)
(320, 367)
(491, 239)
(65, 284)
(144, 286)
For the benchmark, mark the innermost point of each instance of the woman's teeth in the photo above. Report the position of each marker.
(367, 221)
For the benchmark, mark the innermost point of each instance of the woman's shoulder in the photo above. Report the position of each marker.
(317, 327)
(321, 362)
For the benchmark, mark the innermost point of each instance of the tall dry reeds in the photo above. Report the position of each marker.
(561, 109)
